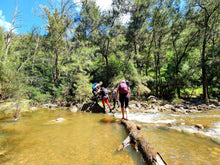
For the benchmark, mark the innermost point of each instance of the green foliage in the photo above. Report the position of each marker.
(162, 50)
(82, 88)
(37, 96)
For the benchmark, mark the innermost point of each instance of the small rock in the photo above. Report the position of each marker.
(138, 105)
(58, 119)
(132, 106)
(33, 108)
(73, 109)
(45, 105)
(151, 111)
(154, 101)
(173, 109)
(152, 98)
(199, 126)
(167, 106)
(212, 106)
(52, 106)
(144, 105)
(68, 105)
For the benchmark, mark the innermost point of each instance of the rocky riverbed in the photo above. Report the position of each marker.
(151, 105)
(154, 105)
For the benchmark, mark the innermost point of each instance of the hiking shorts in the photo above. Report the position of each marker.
(124, 99)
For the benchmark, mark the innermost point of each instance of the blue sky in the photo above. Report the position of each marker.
(27, 18)
(27, 9)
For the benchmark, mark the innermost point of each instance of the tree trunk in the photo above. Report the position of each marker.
(55, 70)
(149, 155)
(137, 62)
(177, 81)
(204, 72)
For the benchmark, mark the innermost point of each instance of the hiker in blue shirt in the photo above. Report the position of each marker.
(96, 89)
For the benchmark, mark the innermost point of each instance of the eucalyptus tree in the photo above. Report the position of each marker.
(159, 29)
(183, 37)
(2, 43)
(89, 22)
(59, 20)
(205, 15)
(137, 31)
(13, 27)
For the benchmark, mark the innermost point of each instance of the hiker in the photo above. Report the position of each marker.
(124, 97)
(113, 98)
(96, 90)
(105, 99)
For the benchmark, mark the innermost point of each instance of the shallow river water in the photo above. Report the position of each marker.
(82, 139)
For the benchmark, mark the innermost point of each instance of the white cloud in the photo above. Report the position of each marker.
(6, 25)
(106, 5)
(124, 18)
(103, 4)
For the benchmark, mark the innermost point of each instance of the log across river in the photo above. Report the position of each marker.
(134, 137)
(149, 155)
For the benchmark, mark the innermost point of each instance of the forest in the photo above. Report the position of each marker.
(167, 48)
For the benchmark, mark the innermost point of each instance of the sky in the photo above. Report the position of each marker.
(29, 9)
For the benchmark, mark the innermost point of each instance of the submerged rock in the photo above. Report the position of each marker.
(109, 120)
(58, 119)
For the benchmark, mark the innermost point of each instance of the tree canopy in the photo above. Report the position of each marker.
(168, 48)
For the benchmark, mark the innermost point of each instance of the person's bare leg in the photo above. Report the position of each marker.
(127, 111)
(122, 111)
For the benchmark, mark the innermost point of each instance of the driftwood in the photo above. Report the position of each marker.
(149, 155)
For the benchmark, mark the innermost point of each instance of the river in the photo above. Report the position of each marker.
(80, 138)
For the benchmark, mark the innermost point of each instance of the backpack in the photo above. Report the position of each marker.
(93, 86)
(123, 88)
(105, 91)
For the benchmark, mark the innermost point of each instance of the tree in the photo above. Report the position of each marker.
(12, 29)
(205, 15)
(58, 23)
(159, 29)
(183, 37)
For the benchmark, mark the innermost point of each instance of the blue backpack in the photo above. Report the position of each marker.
(93, 86)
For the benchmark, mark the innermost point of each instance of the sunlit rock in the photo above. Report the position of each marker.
(60, 119)
(199, 126)
(33, 108)
(73, 109)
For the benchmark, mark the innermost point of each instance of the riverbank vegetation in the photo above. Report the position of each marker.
(169, 49)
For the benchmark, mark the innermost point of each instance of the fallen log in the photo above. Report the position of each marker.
(148, 153)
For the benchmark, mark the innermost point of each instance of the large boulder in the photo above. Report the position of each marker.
(86, 106)
(96, 108)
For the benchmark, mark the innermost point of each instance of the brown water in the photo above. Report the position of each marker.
(79, 139)
(82, 139)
